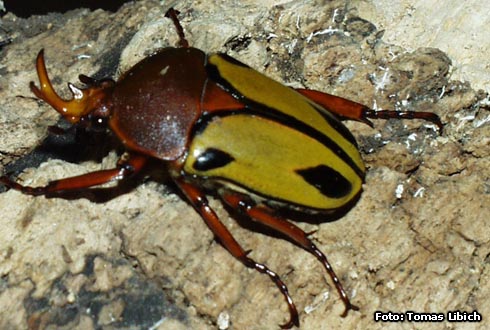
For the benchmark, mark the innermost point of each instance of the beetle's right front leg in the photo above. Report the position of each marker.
(125, 168)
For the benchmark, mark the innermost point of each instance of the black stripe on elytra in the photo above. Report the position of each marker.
(333, 119)
(266, 113)
(327, 180)
(285, 203)
(233, 60)
(255, 108)
(212, 158)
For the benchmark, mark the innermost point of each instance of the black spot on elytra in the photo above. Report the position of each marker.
(327, 180)
(212, 158)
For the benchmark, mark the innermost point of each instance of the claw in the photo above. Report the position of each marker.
(293, 315)
(348, 307)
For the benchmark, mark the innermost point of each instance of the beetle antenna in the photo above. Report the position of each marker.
(172, 14)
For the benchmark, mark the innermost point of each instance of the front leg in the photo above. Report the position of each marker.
(125, 168)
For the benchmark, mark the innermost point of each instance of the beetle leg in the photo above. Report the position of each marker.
(348, 109)
(124, 169)
(264, 215)
(172, 14)
(200, 203)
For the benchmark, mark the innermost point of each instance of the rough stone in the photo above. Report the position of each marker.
(138, 256)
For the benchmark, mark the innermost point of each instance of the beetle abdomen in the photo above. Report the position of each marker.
(272, 160)
(261, 92)
(278, 145)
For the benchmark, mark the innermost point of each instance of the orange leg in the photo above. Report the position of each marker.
(264, 215)
(347, 109)
(200, 203)
(125, 168)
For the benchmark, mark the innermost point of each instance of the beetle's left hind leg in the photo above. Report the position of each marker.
(124, 169)
(200, 203)
(264, 215)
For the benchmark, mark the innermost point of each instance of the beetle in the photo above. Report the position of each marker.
(222, 127)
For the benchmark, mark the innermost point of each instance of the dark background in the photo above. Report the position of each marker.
(27, 8)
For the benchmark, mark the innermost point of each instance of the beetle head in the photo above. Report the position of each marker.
(86, 102)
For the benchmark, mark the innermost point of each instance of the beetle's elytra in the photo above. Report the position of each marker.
(220, 125)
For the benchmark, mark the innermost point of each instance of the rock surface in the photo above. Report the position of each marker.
(139, 257)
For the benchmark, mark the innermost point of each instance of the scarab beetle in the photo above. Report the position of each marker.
(219, 125)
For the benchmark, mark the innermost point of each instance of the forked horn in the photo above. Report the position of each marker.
(84, 101)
